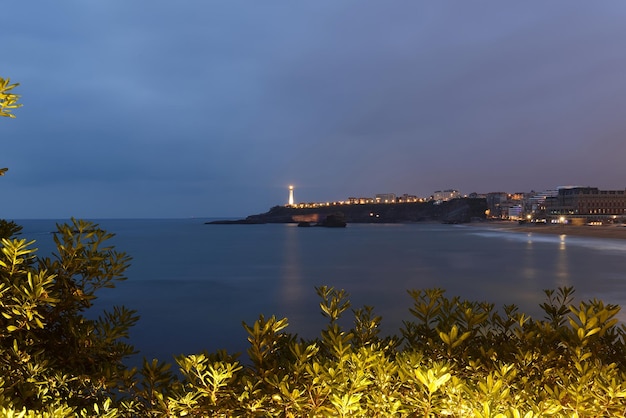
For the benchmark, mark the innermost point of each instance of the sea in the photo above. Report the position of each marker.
(194, 284)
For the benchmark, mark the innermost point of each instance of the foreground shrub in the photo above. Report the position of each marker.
(452, 357)
(52, 357)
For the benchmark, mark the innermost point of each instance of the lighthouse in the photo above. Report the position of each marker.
(290, 195)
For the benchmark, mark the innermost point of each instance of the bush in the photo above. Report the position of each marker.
(52, 357)
(452, 357)
(455, 358)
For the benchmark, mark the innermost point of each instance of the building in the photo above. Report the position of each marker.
(496, 205)
(584, 204)
(443, 195)
(385, 198)
(515, 212)
(408, 198)
(360, 200)
(535, 203)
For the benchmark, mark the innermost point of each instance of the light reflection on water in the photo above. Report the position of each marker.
(194, 284)
(291, 277)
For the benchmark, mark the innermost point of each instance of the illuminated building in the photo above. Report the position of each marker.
(442, 196)
(406, 198)
(385, 198)
(536, 202)
(584, 204)
(515, 212)
(360, 200)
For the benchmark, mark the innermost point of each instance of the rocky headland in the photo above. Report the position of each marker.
(453, 211)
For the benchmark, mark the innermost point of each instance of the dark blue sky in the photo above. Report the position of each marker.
(212, 108)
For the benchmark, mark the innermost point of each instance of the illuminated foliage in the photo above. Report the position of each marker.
(455, 358)
(8, 100)
(53, 358)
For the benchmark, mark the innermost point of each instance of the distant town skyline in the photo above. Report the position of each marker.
(205, 109)
(578, 205)
(447, 193)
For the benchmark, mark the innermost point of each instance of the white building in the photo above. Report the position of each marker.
(515, 212)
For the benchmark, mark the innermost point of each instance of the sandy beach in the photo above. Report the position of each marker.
(594, 231)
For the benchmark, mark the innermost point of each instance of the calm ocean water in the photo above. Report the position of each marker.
(193, 284)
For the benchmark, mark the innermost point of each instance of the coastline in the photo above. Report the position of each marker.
(589, 231)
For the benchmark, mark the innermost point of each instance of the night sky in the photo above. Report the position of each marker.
(202, 108)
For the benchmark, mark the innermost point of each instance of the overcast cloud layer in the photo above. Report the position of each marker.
(207, 108)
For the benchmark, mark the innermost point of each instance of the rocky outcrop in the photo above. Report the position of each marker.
(334, 220)
(452, 211)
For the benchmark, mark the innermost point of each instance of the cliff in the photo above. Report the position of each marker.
(452, 211)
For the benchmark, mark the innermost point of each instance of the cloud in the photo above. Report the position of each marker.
(222, 104)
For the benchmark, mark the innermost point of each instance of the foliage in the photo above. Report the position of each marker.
(52, 356)
(8, 100)
(455, 358)
(9, 229)
(452, 357)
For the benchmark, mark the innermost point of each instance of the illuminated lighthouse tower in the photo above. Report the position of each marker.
(290, 195)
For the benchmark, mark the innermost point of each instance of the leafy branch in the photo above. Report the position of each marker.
(8, 100)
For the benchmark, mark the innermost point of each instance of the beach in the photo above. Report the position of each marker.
(616, 231)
